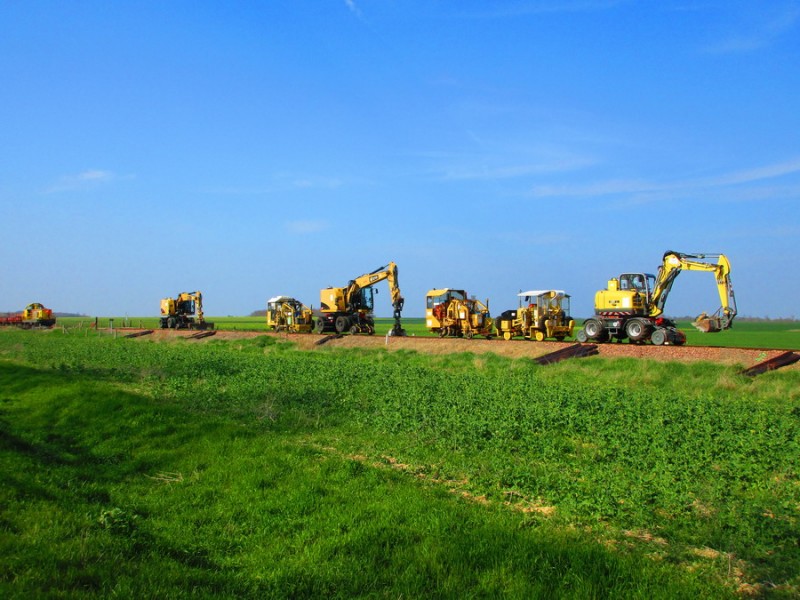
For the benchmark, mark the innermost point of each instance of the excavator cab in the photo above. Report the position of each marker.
(366, 299)
(637, 282)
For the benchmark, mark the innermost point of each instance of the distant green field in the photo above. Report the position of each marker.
(747, 334)
(744, 334)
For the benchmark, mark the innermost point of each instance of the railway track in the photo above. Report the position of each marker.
(744, 357)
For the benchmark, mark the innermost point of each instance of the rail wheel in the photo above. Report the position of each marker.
(507, 336)
(538, 336)
(659, 337)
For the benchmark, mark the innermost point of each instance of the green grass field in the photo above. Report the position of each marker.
(251, 469)
(744, 334)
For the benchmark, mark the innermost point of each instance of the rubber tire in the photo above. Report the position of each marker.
(320, 326)
(582, 337)
(342, 324)
(594, 329)
(658, 337)
(636, 330)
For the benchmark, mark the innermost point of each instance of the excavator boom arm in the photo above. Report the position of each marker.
(369, 279)
(675, 262)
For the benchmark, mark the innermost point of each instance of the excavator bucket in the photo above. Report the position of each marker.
(708, 324)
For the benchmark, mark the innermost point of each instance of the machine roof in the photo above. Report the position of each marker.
(559, 293)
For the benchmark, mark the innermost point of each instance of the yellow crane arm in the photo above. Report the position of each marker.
(675, 262)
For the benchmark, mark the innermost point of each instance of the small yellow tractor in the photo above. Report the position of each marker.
(541, 314)
(450, 312)
(284, 313)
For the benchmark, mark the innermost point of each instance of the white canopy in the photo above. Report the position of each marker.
(559, 293)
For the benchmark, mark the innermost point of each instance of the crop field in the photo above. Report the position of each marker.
(252, 468)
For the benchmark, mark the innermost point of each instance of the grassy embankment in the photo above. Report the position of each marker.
(251, 469)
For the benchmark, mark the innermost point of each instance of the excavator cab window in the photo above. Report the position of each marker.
(434, 301)
(637, 282)
(186, 307)
(366, 300)
(651, 283)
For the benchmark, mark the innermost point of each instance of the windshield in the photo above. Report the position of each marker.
(367, 302)
(434, 301)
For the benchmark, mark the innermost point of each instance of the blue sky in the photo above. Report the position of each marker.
(248, 149)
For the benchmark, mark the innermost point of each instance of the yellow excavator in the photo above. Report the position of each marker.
(185, 311)
(350, 308)
(285, 313)
(632, 306)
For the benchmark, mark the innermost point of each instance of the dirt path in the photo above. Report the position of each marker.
(513, 349)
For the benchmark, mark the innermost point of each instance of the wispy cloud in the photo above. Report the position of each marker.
(351, 5)
(306, 227)
(643, 191)
(281, 183)
(514, 171)
(85, 180)
(316, 182)
(788, 167)
(533, 7)
(760, 34)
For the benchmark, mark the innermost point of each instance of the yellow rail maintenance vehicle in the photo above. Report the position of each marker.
(449, 312)
(285, 313)
(350, 308)
(34, 315)
(185, 311)
(542, 314)
(632, 306)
